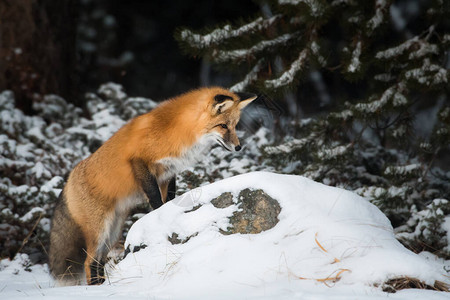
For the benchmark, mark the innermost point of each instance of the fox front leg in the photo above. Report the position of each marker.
(172, 189)
(168, 189)
(148, 183)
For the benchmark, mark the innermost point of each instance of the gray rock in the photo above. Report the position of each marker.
(224, 200)
(175, 240)
(258, 212)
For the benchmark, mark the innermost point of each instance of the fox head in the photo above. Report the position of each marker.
(191, 123)
(225, 109)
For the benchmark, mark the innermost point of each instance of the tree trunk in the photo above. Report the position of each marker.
(38, 49)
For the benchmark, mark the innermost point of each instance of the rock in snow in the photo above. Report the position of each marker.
(318, 235)
(257, 211)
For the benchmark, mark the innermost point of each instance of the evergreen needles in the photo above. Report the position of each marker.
(379, 75)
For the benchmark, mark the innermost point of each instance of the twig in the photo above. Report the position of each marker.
(25, 240)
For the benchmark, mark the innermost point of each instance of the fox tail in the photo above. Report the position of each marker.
(67, 247)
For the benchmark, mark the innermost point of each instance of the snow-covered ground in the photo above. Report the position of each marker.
(323, 234)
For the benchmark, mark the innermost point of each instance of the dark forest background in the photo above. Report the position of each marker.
(69, 47)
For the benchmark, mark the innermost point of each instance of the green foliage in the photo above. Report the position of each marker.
(384, 69)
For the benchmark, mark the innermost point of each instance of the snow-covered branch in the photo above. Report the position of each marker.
(315, 49)
(250, 78)
(422, 48)
(238, 55)
(289, 76)
(219, 35)
(404, 170)
(288, 147)
(381, 9)
(446, 38)
(428, 74)
(315, 7)
(355, 62)
(333, 153)
(397, 50)
(393, 94)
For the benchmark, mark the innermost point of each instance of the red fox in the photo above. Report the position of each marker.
(138, 163)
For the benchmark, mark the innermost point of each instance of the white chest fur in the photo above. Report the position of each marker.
(174, 165)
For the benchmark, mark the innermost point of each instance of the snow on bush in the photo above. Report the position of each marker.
(36, 152)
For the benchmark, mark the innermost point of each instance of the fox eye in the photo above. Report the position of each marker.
(224, 126)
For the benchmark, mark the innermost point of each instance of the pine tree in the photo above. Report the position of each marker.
(376, 70)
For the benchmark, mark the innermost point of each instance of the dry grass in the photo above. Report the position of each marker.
(390, 286)
(405, 282)
(335, 276)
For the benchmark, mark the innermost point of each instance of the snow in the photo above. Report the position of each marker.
(397, 50)
(393, 93)
(112, 90)
(36, 133)
(287, 147)
(403, 170)
(29, 216)
(333, 153)
(239, 55)
(355, 62)
(250, 78)
(377, 19)
(315, 49)
(288, 76)
(24, 150)
(399, 100)
(52, 185)
(323, 233)
(421, 48)
(428, 74)
(40, 171)
(314, 6)
(106, 123)
(421, 219)
(220, 34)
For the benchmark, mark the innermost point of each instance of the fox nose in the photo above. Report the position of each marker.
(237, 148)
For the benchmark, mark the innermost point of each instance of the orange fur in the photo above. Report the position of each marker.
(102, 188)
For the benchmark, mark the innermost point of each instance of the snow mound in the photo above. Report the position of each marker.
(325, 236)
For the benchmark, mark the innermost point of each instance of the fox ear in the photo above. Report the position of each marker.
(245, 99)
(221, 104)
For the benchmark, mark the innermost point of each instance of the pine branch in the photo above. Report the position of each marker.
(446, 39)
(428, 74)
(239, 55)
(316, 8)
(217, 36)
(393, 93)
(355, 63)
(381, 10)
(288, 77)
(421, 48)
(249, 79)
(315, 50)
